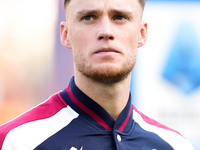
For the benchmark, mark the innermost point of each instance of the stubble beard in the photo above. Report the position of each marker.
(106, 74)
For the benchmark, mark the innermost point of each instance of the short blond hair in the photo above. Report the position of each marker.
(142, 3)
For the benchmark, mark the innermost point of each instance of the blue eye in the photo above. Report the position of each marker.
(118, 18)
(87, 18)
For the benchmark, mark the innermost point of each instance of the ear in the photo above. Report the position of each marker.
(64, 35)
(143, 34)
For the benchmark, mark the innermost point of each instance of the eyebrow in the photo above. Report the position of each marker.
(88, 12)
(98, 12)
(122, 12)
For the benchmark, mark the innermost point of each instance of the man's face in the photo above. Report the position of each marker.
(104, 36)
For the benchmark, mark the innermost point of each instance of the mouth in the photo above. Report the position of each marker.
(107, 55)
(107, 51)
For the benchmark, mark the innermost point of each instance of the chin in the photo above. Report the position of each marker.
(107, 75)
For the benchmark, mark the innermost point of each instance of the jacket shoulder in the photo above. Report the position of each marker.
(44, 110)
(171, 136)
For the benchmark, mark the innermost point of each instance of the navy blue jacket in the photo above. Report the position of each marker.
(70, 120)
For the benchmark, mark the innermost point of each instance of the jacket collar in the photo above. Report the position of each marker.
(94, 113)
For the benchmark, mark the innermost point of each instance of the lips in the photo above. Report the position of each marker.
(107, 50)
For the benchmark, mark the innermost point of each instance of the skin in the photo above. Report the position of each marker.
(104, 36)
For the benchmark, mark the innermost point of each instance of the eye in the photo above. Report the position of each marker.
(119, 18)
(87, 18)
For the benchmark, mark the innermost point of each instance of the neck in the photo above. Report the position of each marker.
(112, 97)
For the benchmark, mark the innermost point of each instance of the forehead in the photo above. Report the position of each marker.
(104, 5)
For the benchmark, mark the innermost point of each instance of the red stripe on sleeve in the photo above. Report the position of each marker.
(42, 111)
(153, 122)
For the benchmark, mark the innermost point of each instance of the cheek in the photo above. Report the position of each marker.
(130, 36)
(134, 39)
(80, 44)
(80, 40)
(130, 43)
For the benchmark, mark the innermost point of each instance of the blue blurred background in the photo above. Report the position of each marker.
(166, 78)
(165, 81)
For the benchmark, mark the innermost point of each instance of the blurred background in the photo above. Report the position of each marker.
(166, 78)
(165, 81)
(33, 63)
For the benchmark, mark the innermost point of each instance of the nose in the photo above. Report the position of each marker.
(105, 31)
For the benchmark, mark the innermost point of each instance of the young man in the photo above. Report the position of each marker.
(95, 110)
